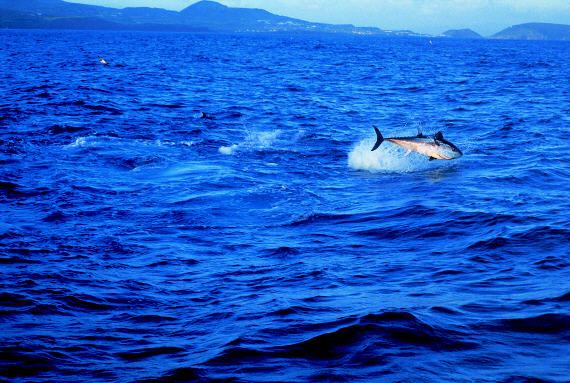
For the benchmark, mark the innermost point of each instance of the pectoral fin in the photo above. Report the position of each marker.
(432, 158)
(407, 153)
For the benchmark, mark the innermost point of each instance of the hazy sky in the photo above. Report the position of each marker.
(426, 16)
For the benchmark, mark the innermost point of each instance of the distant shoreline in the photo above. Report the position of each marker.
(212, 17)
(278, 33)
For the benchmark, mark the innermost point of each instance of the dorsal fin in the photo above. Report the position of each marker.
(420, 132)
(438, 136)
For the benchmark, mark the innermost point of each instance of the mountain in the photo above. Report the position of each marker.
(211, 16)
(535, 31)
(203, 15)
(462, 34)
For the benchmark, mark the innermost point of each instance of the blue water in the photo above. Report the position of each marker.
(266, 242)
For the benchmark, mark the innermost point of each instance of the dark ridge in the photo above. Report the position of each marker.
(283, 251)
(63, 129)
(21, 362)
(101, 338)
(15, 300)
(13, 190)
(393, 329)
(447, 272)
(488, 219)
(542, 324)
(524, 379)
(179, 375)
(489, 244)
(538, 302)
(184, 262)
(55, 217)
(237, 355)
(15, 260)
(552, 263)
(133, 163)
(8, 186)
(389, 316)
(385, 331)
(563, 298)
(295, 310)
(20, 251)
(148, 318)
(149, 352)
(444, 310)
(411, 211)
(85, 303)
(167, 106)
(545, 235)
(386, 233)
(46, 309)
(330, 346)
(320, 218)
(103, 108)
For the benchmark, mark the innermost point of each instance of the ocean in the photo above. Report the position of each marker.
(206, 208)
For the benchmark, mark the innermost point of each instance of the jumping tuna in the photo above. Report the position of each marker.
(435, 147)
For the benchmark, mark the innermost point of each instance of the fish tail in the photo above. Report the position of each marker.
(379, 139)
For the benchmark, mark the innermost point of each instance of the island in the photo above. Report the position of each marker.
(535, 31)
(462, 34)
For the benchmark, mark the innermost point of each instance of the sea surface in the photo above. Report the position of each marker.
(207, 208)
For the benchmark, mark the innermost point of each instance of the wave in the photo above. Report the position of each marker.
(539, 302)
(546, 237)
(362, 342)
(85, 302)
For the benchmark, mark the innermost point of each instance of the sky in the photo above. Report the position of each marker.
(486, 17)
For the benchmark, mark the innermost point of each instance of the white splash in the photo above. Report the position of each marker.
(228, 150)
(253, 141)
(108, 141)
(387, 158)
(92, 142)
